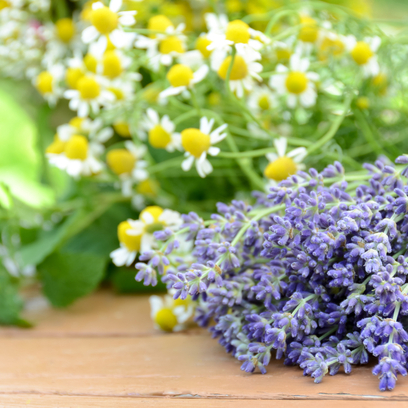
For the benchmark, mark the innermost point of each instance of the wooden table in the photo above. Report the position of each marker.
(104, 352)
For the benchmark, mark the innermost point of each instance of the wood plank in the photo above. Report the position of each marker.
(59, 401)
(177, 365)
(101, 314)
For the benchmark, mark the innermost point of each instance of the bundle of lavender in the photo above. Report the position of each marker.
(316, 272)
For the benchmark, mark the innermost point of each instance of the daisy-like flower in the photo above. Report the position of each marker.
(233, 34)
(182, 78)
(244, 70)
(160, 132)
(109, 21)
(128, 165)
(261, 99)
(363, 54)
(77, 157)
(295, 82)
(165, 46)
(137, 235)
(331, 45)
(90, 94)
(198, 143)
(170, 315)
(281, 164)
(93, 129)
(48, 83)
(308, 34)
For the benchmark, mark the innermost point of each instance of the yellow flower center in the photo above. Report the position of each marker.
(131, 242)
(363, 102)
(309, 31)
(166, 319)
(4, 4)
(72, 77)
(237, 32)
(263, 102)
(151, 93)
(296, 82)
(109, 44)
(361, 53)
(122, 128)
(180, 75)
(330, 47)
(158, 23)
(57, 146)
(112, 65)
(154, 210)
(171, 44)
(88, 87)
(76, 122)
(104, 20)
(65, 29)
(117, 92)
(120, 161)
(201, 45)
(44, 82)
(149, 187)
(90, 63)
(76, 148)
(181, 302)
(195, 142)
(280, 169)
(239, 68)
(283, 54)
(214, 98)
(158, 137)
(380, 82)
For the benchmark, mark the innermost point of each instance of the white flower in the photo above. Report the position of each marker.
(161, 132)
(261, 99)
(78, 157)
(94, 129)
(89, 96)
(364, 54)
(198, 143)
(296, 83)
(137, 235)
(169, 314)
(234, 33)
(182, 78)
(48, 83)
(109, 21)
(244, 70)
(281, 164)
(164, 47)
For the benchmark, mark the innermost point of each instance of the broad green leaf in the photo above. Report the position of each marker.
(67, 276)
(10, 302)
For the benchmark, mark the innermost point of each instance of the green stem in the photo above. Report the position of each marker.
(334, 127)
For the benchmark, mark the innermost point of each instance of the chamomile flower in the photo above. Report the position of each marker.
(308, 33)
(295, 82)
(127, 163)
(160, 132)
(170, 315)
(363, 54)
(198, 143)
(182, 78)
(48, 83)
(281, 164)
(93, 129)
(261, 99)
(233, 34)
(90, 94)
(244, 70)
(165, 46)
(137, 235)
(109, 21)
(77, 157)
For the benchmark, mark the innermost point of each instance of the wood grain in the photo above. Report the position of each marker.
(104, 351)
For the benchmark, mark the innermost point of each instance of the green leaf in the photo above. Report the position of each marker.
(66, 276)
(10, 302)
(123, 280)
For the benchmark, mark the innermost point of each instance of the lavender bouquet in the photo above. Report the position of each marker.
(315, 271)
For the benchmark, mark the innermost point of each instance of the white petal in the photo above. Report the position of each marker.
(172, 91)
(90, 34)
(115, 5)
(298, 154)
(213, 151)
(187, 163)
(200, 74)
(280, 145)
